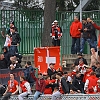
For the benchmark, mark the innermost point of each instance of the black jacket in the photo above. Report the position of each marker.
(87, 34)
(3, 64)
(77, 84)
(50, 72)
(15, 38)
(65, 85)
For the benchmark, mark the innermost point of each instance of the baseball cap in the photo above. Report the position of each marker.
(55, 21)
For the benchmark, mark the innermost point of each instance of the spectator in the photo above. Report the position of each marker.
(2, 90)
(15, 41)
(56, 33)
(6, 53)
(65, 83)
(97, 70)
(3, 62)
(87, 73)
(77, 83)
(94, 58)
(56, 94)
(86, 36)
(81, 67)
(97, 87)
(58, 82)
(95, 25)
(80, 56)
(27, 73)
(40, 85)
(73, 73)
(24, 88)
(93, 34)
(13, 63)
(51, 70)
(75, 33)
(49, 85)
(90, 83)
(12, 88)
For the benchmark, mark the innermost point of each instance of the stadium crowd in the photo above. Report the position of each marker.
(83, 78)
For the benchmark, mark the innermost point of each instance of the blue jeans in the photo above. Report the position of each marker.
(75, 45)
(36, 95)
(13, 50)
(83, 41)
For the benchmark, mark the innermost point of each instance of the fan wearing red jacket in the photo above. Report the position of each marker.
(24, 88)
(87, 73)
(75, 33)
(49, 83)
(97, 87)
(90, 83)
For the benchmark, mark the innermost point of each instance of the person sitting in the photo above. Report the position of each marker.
(24, 88)
(56, 94)
(77, 83)
(3, 62)
(12, 88)
(2, 90)
(97, 87)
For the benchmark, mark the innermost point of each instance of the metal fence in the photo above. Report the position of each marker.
(64, 97)
(30, 25)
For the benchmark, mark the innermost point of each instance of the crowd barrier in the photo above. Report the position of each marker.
(63, 97)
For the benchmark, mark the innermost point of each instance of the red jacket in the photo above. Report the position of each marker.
(86, 75)
(48, 90)
(74, 29)
(98, 89)
(92, 83)
(96, 26)
(12, 86)
(40, 83)
(52, 34)
(22, 85)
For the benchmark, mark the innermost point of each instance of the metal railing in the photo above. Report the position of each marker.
(30, 26)
(64, 97)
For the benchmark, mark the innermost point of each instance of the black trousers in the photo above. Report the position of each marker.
(56, 42)
(7, 96)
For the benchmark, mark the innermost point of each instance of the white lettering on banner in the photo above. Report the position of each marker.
(40, 59)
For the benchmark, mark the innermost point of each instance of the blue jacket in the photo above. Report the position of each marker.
(27, 74)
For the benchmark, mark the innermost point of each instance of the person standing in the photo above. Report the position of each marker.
(24, 88)
(56, 33)
(27, 73)
(12, 88)
(75, 33)
(86, 35)
(15, 37)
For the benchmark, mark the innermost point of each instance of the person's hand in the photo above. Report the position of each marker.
(17, 44)
(13, 93)
(4, 94)
(85, 29)
(78, 91)
(79, 29)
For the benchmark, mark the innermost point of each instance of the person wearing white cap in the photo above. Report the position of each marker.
(56, 33)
